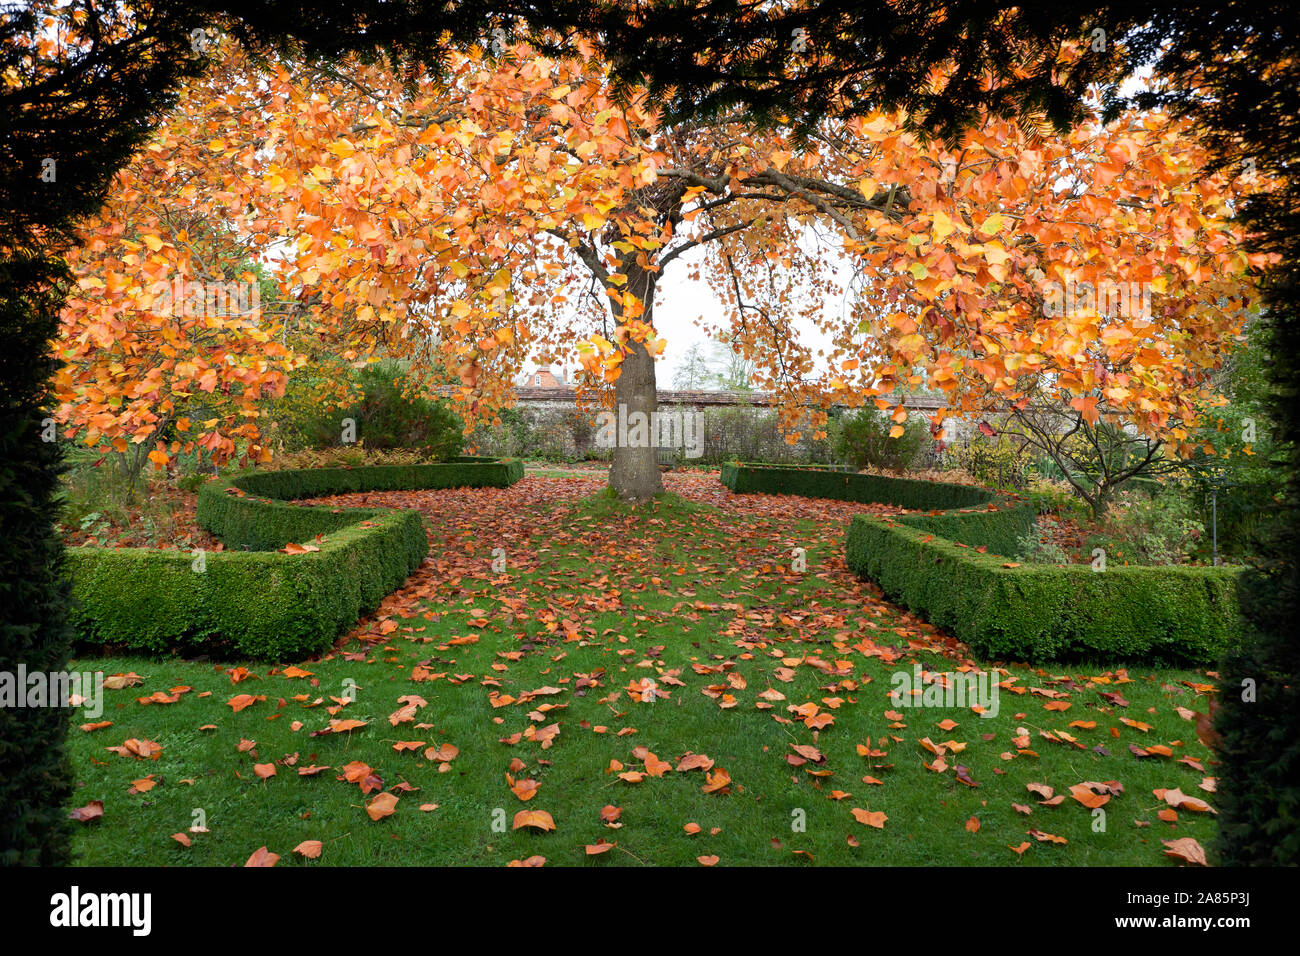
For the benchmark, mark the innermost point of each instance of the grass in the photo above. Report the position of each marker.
(696, 588)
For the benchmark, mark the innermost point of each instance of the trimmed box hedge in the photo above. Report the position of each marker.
(1148, 615)
(259, 523)
(745, 478)
(252, 600)
(985, 519)
(930, 564)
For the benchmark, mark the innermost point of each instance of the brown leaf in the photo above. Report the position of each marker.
(1186, 849)
(90, 813)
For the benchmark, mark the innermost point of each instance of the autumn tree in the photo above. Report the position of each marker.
(509, 204)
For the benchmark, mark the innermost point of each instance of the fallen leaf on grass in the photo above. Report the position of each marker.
(381, 805)
(1181, 801)
(263, 857)
(871, 818)
(1085, 795)
(89, 813)
(240, 701)
(443, 753)
(140, 749)
(525, 789)
(1186, 849)
(716, 782)
(694, 762)
(309, 848)
(535, 819)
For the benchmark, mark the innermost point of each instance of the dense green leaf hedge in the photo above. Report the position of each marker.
(932, 564)
(252, 600)
(1154, 615)
(909, 493)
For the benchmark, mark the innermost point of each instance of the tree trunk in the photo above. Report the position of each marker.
(634, 474)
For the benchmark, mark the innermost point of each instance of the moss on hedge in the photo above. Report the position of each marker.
(252, 600)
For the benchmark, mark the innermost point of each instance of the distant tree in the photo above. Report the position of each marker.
(695, 372)
(736, 373)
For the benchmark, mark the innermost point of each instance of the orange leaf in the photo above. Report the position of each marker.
(381, 805)
(309, 848)
(292, 548)
(263, 857)
(870, 818)
(536, 819)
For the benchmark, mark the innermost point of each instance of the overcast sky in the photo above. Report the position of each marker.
(687, 312)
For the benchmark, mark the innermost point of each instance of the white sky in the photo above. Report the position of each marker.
(687, 312)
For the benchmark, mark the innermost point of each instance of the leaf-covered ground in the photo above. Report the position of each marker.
(649, 687)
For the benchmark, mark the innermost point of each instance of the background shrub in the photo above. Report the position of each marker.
(862, 440)
(386, 407)
(1161, 528)
(997, 461)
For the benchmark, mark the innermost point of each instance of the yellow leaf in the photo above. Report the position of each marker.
(942, 227)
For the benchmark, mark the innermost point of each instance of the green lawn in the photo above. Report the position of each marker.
(695, 593)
